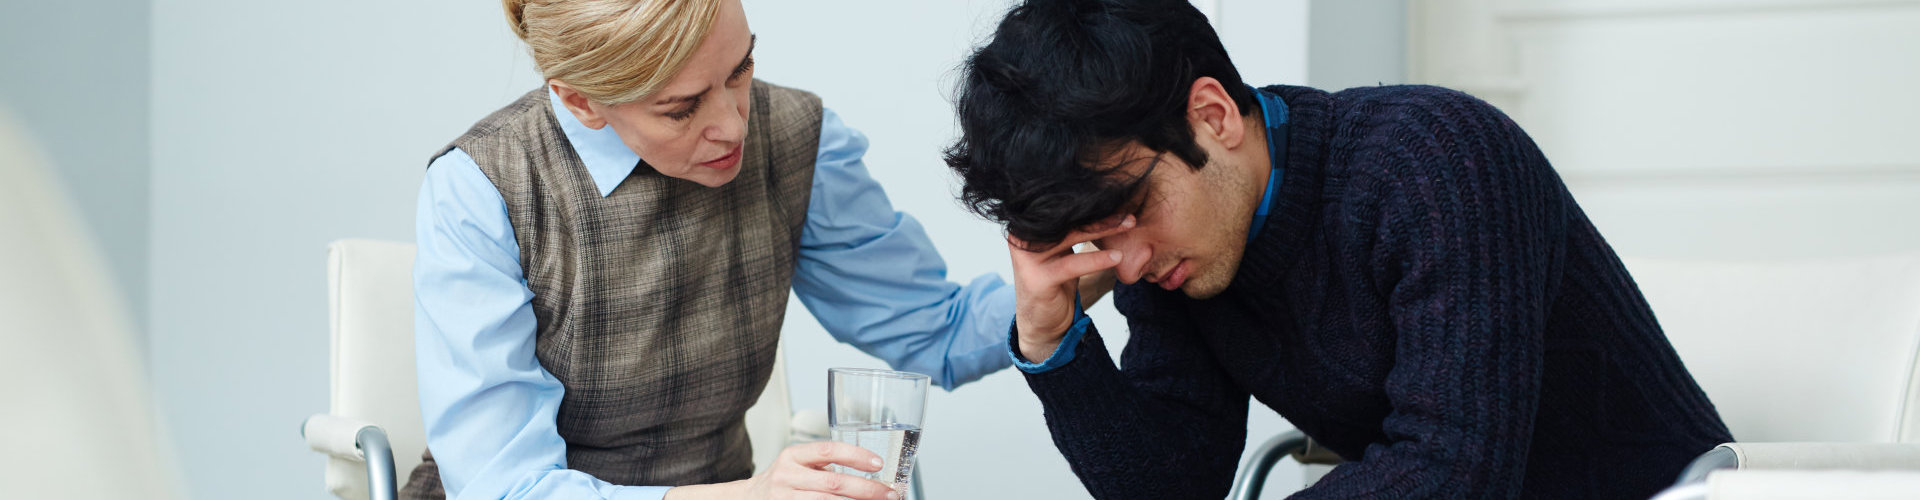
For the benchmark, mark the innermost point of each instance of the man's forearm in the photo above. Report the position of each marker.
(1109, 431)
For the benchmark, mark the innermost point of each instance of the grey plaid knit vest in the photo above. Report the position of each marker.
(659, 306)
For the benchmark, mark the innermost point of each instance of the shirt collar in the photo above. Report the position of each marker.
(609, 161)
(1274, 111)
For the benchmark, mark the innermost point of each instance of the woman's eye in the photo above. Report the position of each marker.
(746, 67)
(685, 113)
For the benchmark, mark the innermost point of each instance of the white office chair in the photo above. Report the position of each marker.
(373, 432)
(1814, 366)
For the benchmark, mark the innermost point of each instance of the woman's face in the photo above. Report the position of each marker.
(694, 126)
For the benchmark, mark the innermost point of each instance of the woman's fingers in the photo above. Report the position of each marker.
(809, 471)
(858, 488)
(819, 455)
(810, 495)
(802, 472)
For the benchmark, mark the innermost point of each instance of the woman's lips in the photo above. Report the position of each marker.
(725, 162)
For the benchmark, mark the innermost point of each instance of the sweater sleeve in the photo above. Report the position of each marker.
(1471, 231)
(1170, 425)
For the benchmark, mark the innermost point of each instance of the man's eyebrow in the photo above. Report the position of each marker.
(1139, 185)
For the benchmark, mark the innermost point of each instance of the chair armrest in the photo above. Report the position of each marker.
(1253, 476)
(1685, 491)
(1314, 454)
(1720, 457)
(336, 436)
(1794, 456)
(1819, 456)
(356, 440)
(1778, 484)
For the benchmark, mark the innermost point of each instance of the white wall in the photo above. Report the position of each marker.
(1354, 43)
(277, 127)
(1267, 39)
(76, 75)
(1709, 129)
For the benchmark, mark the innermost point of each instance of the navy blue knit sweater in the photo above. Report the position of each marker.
(1424, 299)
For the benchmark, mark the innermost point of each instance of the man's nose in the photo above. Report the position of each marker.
(1133, 257)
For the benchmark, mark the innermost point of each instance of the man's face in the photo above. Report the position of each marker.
(1190, 224)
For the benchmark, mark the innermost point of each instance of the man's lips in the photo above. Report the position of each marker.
(1176, 277)
(725, 162)
(1172, 278)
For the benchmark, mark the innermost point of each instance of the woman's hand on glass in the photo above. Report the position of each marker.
(801, 472)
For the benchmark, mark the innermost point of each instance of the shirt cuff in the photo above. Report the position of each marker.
(1062, 354)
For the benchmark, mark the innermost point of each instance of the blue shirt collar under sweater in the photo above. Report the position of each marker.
(1274, 111)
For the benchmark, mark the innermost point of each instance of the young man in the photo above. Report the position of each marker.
(1396, 270)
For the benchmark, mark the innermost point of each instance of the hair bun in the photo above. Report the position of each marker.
(516, 17)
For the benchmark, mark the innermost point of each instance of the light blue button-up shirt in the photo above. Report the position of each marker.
(867, 272)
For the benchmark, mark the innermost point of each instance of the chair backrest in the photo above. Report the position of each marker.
(770, 420)
(1797, 351)
(370, 314)
(370, 293)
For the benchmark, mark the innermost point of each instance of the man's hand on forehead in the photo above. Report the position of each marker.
(1047, 280)
(1082, 239)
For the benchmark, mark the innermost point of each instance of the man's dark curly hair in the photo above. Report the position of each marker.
(1061, 83)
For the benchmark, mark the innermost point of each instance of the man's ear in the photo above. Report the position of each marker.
(1213, 113)
(577, 103)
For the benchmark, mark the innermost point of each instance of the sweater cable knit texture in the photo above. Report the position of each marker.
(1426, 300)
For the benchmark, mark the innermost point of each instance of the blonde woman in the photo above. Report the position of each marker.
(604, 266)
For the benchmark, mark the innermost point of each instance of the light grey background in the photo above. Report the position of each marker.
(216, 146)
(1354, 43)
(277, 127)
(75, 72)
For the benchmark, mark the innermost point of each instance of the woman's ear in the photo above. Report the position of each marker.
(1213, 113)
(583, 109)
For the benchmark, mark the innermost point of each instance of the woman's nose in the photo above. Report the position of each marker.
(732, 125)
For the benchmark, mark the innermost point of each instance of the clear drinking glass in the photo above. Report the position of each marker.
(879, 410)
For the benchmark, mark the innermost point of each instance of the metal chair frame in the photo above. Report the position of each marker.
(1252, 477)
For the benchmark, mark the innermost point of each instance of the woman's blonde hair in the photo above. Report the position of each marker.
(612, 51)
